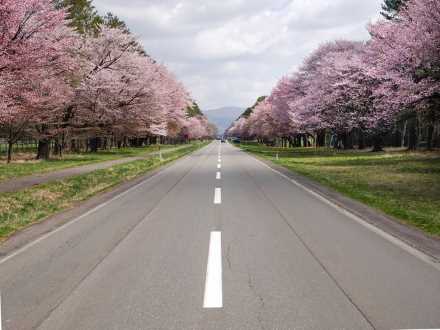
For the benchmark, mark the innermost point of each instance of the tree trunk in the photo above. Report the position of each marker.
(430, 129)
(320, 138)
(341, 140)
(436, 137)
(405, 125)
(412, 137)
(304, 138)
(361, 144)
(58, 148)
(348, 143)
(94, 144)
(10, 145)
(43, 149)
(377, 143)
(73, 145)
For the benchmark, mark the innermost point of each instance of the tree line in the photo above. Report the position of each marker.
(382, 91)
(74, 80)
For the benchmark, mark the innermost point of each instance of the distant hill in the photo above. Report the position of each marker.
(223, 117)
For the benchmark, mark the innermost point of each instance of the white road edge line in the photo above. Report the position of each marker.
(218, 177)
(392, 239)
(218, 196)
(1, 321)
(213, 283)
(96, 208)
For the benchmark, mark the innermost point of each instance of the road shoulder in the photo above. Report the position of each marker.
(37, 230)
(410, 235)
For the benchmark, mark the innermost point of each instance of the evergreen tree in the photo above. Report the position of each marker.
(249, 111)
(391, 8)
(113, 21)
(82, 15)
(194, 110)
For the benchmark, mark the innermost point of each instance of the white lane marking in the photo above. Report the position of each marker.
(218, 196)
(219, 166)
(218, 176)
(213, 283)
(91, 211)
(1, 311)
(390, 238)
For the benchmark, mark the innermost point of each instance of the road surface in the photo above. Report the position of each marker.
(218, 241)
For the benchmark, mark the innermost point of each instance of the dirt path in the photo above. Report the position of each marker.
(17, 184)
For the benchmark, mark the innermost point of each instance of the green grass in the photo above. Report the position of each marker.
(28, 166)
(21, 209)
(405, 185)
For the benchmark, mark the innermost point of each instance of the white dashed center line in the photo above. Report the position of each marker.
(218, 196)
(213, 283)
(218, 176)
(219, 166)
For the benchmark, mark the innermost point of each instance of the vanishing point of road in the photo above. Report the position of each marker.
(218, 240)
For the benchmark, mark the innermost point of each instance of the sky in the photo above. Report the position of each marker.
(229, 52)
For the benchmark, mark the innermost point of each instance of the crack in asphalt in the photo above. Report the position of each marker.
(118, 243)
(228, 257)
(260, 300)
(306, 246)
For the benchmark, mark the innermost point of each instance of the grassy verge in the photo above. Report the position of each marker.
(28, 166)
(22, 209)
(405, 185)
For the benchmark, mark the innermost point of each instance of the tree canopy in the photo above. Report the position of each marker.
(61, 82)
(82, 15)
(348, 86)
(390, 8)
(249, 110)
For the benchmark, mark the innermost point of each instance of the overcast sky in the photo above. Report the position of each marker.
(229, 52)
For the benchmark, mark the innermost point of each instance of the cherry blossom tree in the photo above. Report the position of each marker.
(354, 88)
(332, 91)
(408, 60)
(56, 84)
(33, 39)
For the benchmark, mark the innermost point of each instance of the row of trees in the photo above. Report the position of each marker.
(361, 92)
(70, 76)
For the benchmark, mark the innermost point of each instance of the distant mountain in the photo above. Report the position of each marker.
(223, 117)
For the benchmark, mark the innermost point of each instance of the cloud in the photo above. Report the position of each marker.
(230, 52)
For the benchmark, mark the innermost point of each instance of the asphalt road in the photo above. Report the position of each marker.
(218, 243)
